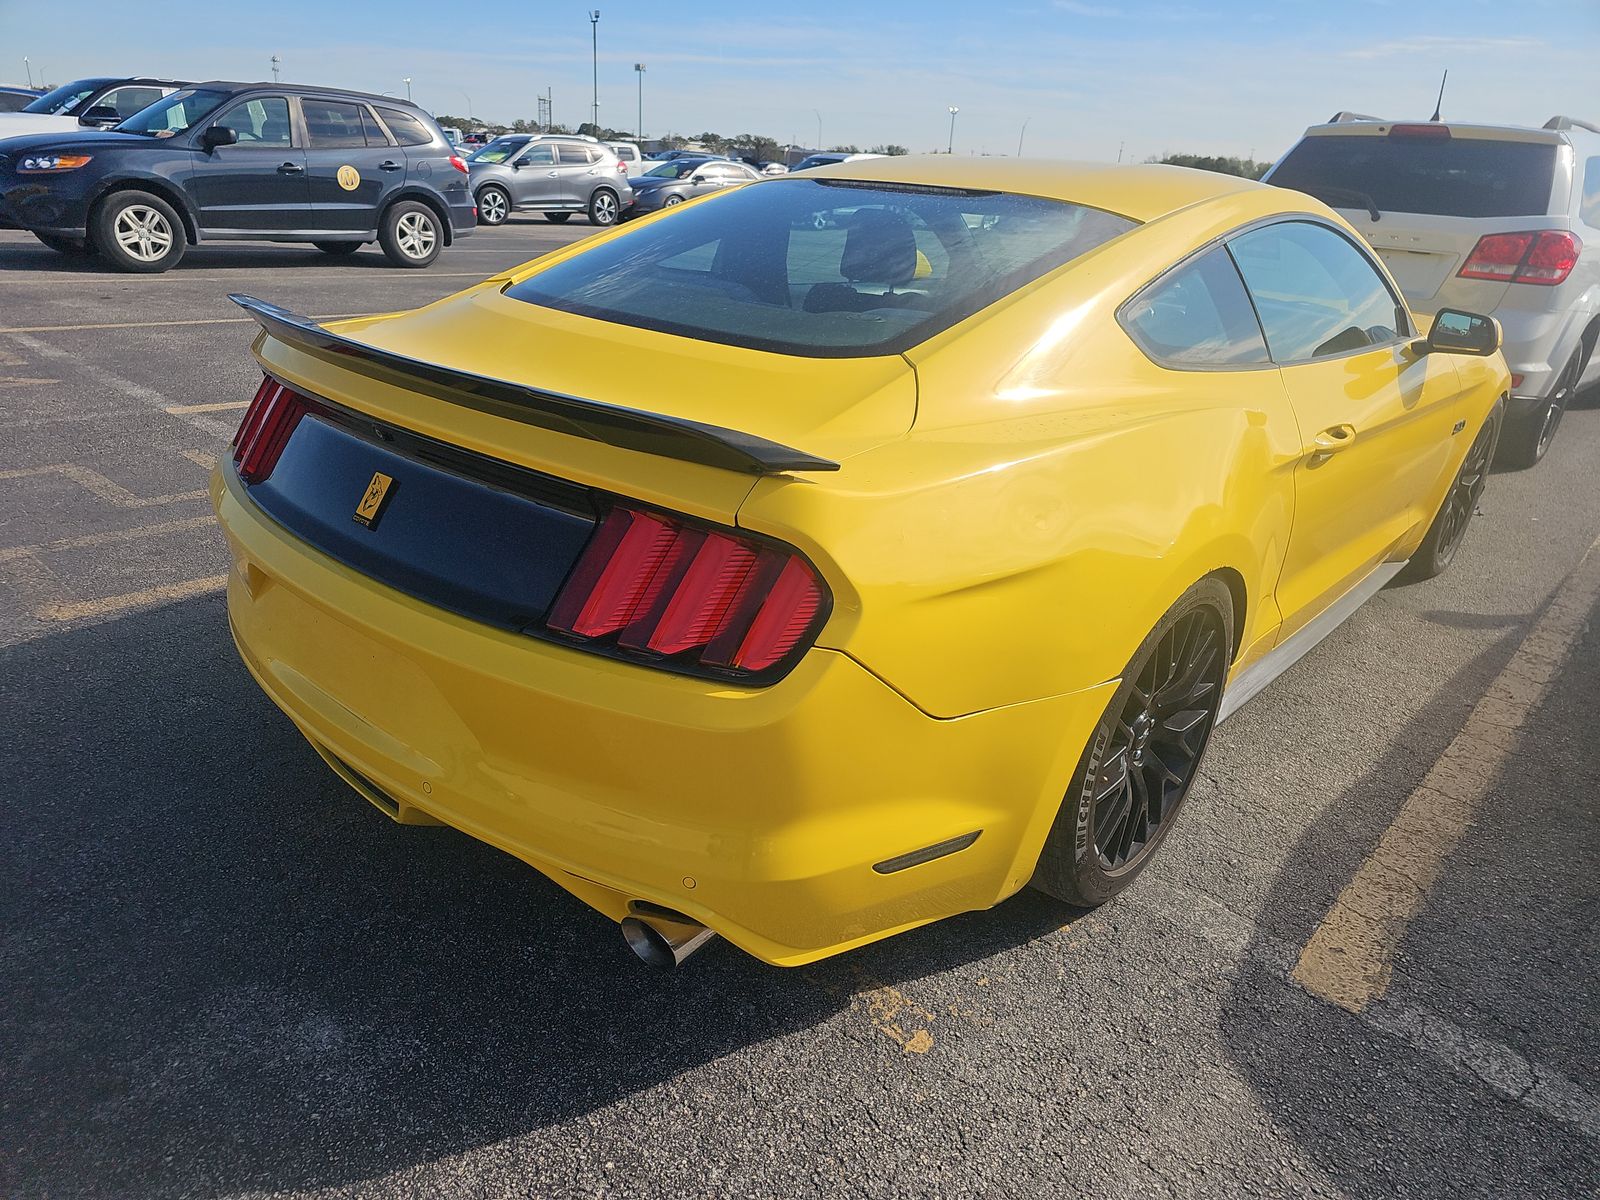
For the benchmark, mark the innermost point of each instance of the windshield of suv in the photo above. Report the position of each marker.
(60, 99)
(822, 268)
(499, 150)
(174, 114)
(1447, 177)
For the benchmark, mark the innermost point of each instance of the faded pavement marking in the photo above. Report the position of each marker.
(1350, 957)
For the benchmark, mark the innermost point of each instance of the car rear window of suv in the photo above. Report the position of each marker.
(1447, 177)
(822, 268)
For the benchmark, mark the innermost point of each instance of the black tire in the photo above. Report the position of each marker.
(137, 232)
(1449, 528)
(558, 218)
(411, 234)
(1095, 848)
(494, 205)
(672, 201)
(605, 210)
(1524, 442)
(338, 249)
(71, 247)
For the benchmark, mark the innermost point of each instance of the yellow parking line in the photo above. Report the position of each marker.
(223, 406)
(77, 610)
(1349, 958)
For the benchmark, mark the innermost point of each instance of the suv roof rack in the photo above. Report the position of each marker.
(1560, 123)
(1344, 115)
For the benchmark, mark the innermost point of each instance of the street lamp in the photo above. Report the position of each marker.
(818, 111)
(950, 148)
(639, 67)
(594, 61)
(1020, 136)
(28, 67)
(407, 82)
(275, 61)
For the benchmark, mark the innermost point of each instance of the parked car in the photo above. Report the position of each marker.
(82, 104)
(671, 183)
(895, 589)
(243, 162)
(829, 159)
(628, 154)
(1496, 218)
(14, 99)
(553, 174)
(773, 168)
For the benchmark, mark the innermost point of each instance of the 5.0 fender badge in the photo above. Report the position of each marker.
(349, 178)
(374, 499)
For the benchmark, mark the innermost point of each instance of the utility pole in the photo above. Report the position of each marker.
(407, 82)
(639, 67)
(950, 147)
(275, 70)
(1020, 136)
(594, 60)
(1120, 145)
(818, 111)
(28, 67)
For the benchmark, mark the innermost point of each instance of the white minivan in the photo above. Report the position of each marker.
(1492, 219)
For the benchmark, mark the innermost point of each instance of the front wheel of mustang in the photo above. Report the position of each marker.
(1144, 754)
(1449, 528)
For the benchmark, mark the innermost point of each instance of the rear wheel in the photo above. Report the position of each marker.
(337, 249)
(1526, 440)
(558, 218)
(1449, 528)
(603, 207)
(136, 231)
(1143, 756)
(494, 205)
(73, 247)
(411, 234)
(671, 201)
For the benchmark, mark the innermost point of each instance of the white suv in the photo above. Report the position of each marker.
(1487, 218)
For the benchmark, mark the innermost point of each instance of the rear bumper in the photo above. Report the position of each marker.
(1537, 345)
(760, 812)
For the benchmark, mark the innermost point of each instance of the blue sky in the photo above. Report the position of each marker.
(1087, 76)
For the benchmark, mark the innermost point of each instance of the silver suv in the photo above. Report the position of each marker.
(553, 174)
(1487, 218)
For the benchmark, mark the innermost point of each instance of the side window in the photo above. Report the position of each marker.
(573, 156)
(1197, 316)
(332, 124)
(129, 100)
(407, 130)
(540, 154)
(371, 128)
(1589, 204)
(263, 121)
(1316, 293)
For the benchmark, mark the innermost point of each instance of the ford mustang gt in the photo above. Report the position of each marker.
(803, 582)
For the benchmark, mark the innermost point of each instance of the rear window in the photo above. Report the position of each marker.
(1446, 177)
(823, 268)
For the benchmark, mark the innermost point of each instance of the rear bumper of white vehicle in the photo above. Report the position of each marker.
(1538, 345)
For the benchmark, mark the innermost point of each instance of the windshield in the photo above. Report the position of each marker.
(63, 98)
(822, 268)
(676, 169)
(174, 114)
(499, 150)
(1442, 176)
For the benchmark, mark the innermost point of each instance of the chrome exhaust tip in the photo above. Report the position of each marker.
(661, 937)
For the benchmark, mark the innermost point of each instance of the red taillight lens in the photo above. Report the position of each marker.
(1545, 258)
(1429, 130)
(455, 161)
(657, 587)
(264, 432)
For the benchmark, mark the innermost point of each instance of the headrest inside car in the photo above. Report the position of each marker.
(880, 247)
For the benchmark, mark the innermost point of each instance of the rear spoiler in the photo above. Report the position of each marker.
(612, 424)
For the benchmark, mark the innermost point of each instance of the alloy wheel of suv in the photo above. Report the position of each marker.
(603, 207)
(494, 205)
(137, 231)
(1526, 445)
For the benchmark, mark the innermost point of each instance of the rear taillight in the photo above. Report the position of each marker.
(264, 432)
(455, 161)
(653, 587)
(1429, 130)
(1544, 257)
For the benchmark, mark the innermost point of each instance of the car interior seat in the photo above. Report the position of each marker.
(880, 247)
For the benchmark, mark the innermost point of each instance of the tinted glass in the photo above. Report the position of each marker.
(540, 154)
(675, 169)
(572, 156)
(369, 126)
(62, 99)
(1448, 177)
(1199, 315)
(823, 269)
(175, 114)
(128, 100)
(1316, 293)
(407, 130)
(330, 124)
(1589, 205)
(499, 150)
(263, 121)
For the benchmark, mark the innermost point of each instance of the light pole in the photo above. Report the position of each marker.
(1020, 136)
(818, 111)
(407, 82)
(28, 67)
(639, 67)
(594, 62)
(950, 147)
(275, 61)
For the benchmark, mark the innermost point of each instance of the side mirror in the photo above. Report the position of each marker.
(219, 135)
(101, 114)
(1457, 332)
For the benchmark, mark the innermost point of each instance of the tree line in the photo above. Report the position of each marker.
(743, 145)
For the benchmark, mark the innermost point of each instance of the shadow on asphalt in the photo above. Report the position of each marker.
(225, 971)
(1505, 948)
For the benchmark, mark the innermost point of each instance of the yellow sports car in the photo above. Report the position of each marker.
(806, 581)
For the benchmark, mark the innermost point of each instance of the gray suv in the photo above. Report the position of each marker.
(551, 174)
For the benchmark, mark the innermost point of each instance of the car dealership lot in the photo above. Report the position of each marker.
(227, 975)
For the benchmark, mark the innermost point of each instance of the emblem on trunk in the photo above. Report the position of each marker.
(374, 498)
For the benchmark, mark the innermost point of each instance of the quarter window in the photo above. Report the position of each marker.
(572, 156)
(1197, 316)
(1589, 205)
(1317, 295)
(332, 124)
(263, 121)
(407, 130)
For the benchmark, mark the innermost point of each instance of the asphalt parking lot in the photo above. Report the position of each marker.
(1366, 966)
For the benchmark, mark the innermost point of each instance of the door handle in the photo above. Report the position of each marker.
(389, 164)
(1330, 441)
(553, 174)
(291, 169)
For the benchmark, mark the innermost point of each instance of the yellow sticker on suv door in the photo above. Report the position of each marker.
(349, 178)
(372, 499)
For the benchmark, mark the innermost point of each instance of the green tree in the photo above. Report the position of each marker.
(890, 148)
(1247, 168)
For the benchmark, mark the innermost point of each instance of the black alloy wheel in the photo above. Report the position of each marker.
(1527, 441)
(1449, 528)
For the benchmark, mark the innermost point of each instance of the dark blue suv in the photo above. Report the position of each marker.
(243, 162)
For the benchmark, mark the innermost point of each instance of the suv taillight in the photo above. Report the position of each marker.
(264, 432)
(455, 161)
(650, 586)
(1545, 257)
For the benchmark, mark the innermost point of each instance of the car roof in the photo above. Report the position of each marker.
(310, 89)
(1141, 192)
(1356, 125)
